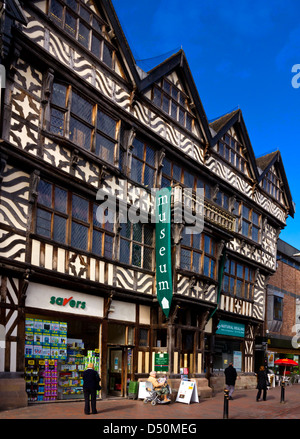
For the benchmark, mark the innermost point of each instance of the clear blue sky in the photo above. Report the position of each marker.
(241, 53)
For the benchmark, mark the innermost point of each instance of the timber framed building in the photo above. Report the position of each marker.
(78, 115)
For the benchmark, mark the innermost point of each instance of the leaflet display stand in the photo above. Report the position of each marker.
(187, 392)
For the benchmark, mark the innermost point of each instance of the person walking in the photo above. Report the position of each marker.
(91, 384)
(230, 379)
(262, 383)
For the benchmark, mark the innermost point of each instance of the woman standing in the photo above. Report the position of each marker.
(262, 383)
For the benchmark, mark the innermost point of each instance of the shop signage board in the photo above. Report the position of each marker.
(187, 392)
(231, 328)
(161, 362)
(61, 300)
(237, 360)
(164, 286)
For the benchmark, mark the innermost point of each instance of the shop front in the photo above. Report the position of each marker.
(62, 335)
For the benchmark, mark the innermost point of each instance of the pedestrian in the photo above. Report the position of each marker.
(262, 383)
(91, 384)
(230, 379)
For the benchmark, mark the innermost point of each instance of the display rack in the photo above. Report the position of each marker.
(70, 372)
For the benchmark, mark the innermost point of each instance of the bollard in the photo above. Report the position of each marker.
(282, 392)
(226, 398)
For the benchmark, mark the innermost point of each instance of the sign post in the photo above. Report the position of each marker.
(164, 287)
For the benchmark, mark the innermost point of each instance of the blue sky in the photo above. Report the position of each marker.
(241, 54)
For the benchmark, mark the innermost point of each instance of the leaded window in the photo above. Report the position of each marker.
(198, 253)
(143, 163)
(232, 151)
(136, 245)
(82, 24)
(71, 219)
(86, 124)
(238, 280)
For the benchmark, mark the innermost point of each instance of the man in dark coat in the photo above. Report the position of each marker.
(262, 383)
(230, 378)
(91, 381)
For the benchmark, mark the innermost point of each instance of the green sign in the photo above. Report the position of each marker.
(161, 362)
(164, 288)
(231, 328)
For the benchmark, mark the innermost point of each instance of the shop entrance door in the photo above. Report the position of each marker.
(119, 369)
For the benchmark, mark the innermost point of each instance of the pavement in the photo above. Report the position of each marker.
(243, 406)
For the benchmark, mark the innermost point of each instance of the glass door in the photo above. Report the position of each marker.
(115, 372)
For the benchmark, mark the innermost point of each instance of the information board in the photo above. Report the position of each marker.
(161, 362)
(187, 392)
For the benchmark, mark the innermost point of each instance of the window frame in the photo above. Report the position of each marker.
(249, 222)
(107, 229)
(234, 276)
(134, 242)
(230, 151)
(89, 24)
(143, 161)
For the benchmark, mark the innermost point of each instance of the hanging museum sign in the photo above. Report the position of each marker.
(164, 285)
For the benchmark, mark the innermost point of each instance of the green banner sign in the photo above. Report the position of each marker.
(231, 328)
(161, 362)
(164, 287)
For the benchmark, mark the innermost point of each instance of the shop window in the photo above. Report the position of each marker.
(143, 164)
(227, 351)
(84, 123)
(278, 307)
(136, 245)
(82, 24)
(238, 280)
(198, 254)
(58, 210)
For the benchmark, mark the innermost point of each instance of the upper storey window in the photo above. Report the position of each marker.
(84, 123)
(231, 150)
(173, 102)
(271, 184)
(85, 26)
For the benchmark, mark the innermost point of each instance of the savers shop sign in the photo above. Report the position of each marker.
(67, 301)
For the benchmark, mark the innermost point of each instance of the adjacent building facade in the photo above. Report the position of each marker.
(77, 281)
(283, 306)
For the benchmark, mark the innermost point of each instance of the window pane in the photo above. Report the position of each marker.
(105, 149)
(136, 255)
(196, 262)
(246, 212)
(166, 167)
(80, 134)
(181, 116)
(174, 107)
(148, 253)
(226, 283)
(43, 223)
(206, 270)
(136, 170)
(176, 172)
(83, 35)
(138, 149)
(96, 46)
(125, 230)
(107, 55)
(96, 25)
(239, 288)
(84, 13)
(255, 233)
(59, 95)
(57, 122)
(56, 11)
(137, 232)
(79, 236)
(239, 270)
(157, 96)
(255, 218)
(150, 156)
(70, 24)
(45, 193)
(148, 235)
(106, 124)
(108, 246)
(189, 122)
(81, 107)
(124, 251)
(166, 104)
(167, 87)
(97, 242)
(245, 228)
(60, 200)
(149, 176)
(59, 229)
(80, 208)
(188, 179)
(197, 241)
(207, 240)
(185, 259)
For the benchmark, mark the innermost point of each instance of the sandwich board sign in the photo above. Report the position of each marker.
(143, 392)
(187, 392)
